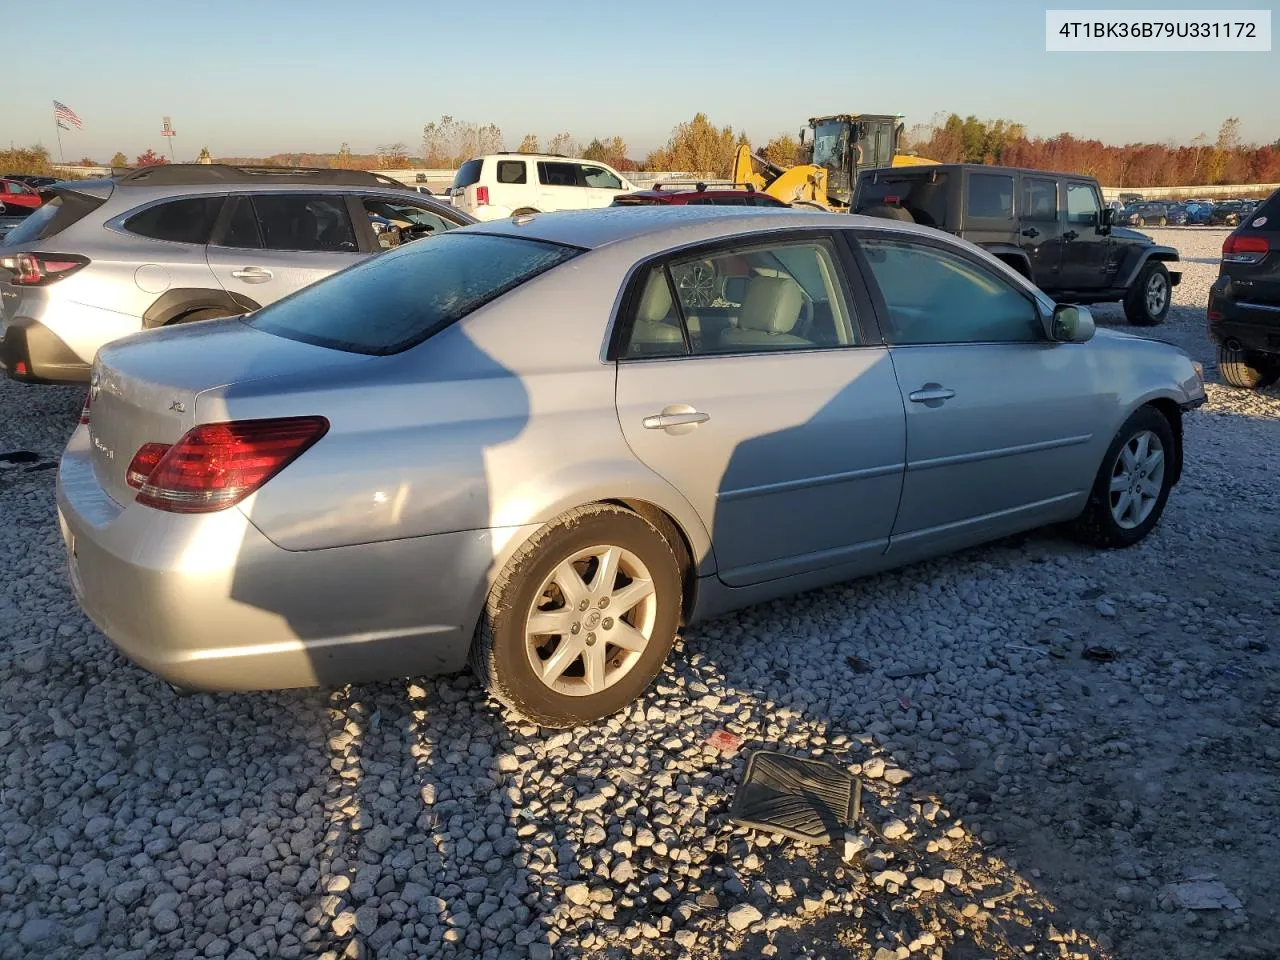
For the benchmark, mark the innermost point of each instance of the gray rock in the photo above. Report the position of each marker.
(35, 931)
(378, 840)
(742, 916)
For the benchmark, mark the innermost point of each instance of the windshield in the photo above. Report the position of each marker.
(393, 301)
(830, 143)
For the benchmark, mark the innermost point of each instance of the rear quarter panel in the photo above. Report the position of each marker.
(503, 420)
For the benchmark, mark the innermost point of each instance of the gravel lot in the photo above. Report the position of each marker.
(1026, 801)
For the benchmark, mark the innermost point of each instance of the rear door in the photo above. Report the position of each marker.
(559, 187)
(267, 245)
(1040, 229)
(781, 422)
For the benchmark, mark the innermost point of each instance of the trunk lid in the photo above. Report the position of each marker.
(143, 388)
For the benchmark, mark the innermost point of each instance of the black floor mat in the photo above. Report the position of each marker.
(806, 800)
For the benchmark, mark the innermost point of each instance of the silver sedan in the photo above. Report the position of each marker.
(542, 445)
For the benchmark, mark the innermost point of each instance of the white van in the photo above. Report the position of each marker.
(503, 184)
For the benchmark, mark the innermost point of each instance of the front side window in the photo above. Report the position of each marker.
(600, 177)
(296, 221)
(934, 297)
(1082, 204)
(395, 300)
(179, 221)
(410, 221)
(781, 296)
(990, 196)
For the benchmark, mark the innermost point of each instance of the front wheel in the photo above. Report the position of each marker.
(1132, 485)
(1147, 302)
(581, 619)
(1163, 222)
(1246, 369)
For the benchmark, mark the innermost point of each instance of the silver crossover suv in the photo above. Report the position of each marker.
(521, 443)
(101, 259)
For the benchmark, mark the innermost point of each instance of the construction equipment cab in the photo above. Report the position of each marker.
(845, 144)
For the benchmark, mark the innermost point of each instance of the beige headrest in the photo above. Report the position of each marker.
(772, 304)
(655, 302)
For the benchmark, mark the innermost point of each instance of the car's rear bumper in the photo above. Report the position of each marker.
(1254, 326)
(208, 602)
(31, 352)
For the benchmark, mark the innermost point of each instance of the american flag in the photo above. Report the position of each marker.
(62, 112)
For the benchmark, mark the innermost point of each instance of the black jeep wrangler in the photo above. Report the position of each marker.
(1051, 227)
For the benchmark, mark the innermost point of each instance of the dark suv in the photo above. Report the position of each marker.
(1141, 214)
(1244, 302)
(1050, 227)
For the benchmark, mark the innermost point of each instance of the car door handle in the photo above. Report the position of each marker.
(252, 274)
(1031, 232)
(1070, 235)
(661, 421)
(931, 392)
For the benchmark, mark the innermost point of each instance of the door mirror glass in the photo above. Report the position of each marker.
(1071, 324)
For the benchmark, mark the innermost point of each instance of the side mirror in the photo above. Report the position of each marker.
(1071, 324)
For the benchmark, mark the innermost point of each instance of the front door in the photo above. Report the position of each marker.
(1040, 230)
(269, 245)
(1085, 248)
(775, 416)
(1001, 422)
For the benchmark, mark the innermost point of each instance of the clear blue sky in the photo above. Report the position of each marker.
(253, 78)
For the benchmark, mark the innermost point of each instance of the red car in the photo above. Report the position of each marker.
(666, 193)
(18, 196)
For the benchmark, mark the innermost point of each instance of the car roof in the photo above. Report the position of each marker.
(670, 224)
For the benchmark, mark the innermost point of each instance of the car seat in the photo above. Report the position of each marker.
(769, 313)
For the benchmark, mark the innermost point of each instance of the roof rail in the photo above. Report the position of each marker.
(192, 174)
(702, 185)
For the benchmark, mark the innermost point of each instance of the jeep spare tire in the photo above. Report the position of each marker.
(889, 212)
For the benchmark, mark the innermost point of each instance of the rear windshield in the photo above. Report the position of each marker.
(1269, 213)
(52, 217)
(397, 299)
(468, 173)
(925, 201)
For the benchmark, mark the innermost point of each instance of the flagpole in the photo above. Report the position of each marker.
(57, 128)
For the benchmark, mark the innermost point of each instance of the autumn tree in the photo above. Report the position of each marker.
(612, 151)
(33, 159)
(529, 144)
(449, 142)
(119, 160)
(393, 156)
(150, 159)
(564, 145)
(781, 150)
(343, 160)
(697, 146)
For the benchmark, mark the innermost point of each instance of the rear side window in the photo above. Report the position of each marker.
(1266, 216)
(293, 221)
(468, 173)
(178, 221)
(558, 174)
(990, 196)
(52, 218)
(511, 171)
(393, 301)
(923, 196)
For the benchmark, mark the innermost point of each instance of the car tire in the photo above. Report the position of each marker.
(532, 582)
(1147, 302)
(889, 212)
(1139, 222)
(1163, 222)
(1247, 369)
(1109, 519)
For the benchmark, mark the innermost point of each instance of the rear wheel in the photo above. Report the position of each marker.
(581, 619)
(1147, 302)
(889, 212)
(1247, 369)
(1164, 221)
(1132, 485)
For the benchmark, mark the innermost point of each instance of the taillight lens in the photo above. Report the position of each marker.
(482, 196)
(84, 411)
(216, 465)
(1245, 248)
(144, 463)
(41, 269)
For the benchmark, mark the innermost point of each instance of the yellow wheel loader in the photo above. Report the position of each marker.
(838, 149)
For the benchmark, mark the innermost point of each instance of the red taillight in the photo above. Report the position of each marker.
(482, 196)
(40, 269)
(144, 463)
(216, 465)
(84, 411)
(1245, 248)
